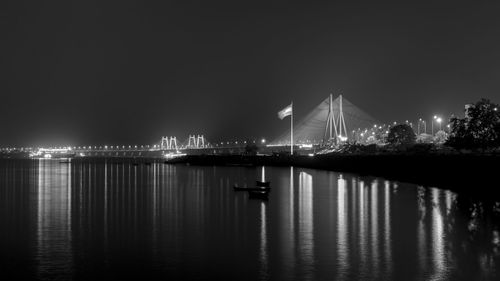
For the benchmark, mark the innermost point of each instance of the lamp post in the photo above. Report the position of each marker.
(418, 126)
(439, 122)
(432, 125)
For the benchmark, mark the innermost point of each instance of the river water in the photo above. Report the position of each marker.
(102, 220)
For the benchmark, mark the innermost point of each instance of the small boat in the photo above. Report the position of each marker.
(258, 194)
(258, 188)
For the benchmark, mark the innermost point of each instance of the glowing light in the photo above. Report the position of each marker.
(263, 141)
(174, 155)
(439, 119)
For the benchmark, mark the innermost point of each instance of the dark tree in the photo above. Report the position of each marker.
(401, 134)
(251, 149)
(480, 128)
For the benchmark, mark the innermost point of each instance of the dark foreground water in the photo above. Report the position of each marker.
(97, 220)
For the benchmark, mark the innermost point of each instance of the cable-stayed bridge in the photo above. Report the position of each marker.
(333, 121)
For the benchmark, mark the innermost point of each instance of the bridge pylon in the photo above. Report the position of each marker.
(335, 123)
(168, 143)
(200, 141)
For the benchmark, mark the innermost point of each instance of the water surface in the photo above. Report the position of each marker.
(91, 220)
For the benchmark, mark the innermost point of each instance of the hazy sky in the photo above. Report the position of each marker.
(128, 72)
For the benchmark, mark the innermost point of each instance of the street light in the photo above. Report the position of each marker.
(439, 122)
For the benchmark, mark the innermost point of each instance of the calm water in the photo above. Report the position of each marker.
(97, 220)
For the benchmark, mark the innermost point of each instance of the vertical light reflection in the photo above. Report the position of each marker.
(438, 234)
(342, 232)
(449, 197)
(155, 207)
(362, 229)
(387, 227)
(374, 229)
(263, 243)
(54, 245)
(306, 234)
(105, 205)
(289, 231)
(292, 230)
(421, 228)
(68, 198)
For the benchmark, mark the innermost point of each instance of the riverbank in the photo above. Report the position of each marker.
(474, 174)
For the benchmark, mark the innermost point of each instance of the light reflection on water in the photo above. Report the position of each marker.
(105, 220)
(53, 236)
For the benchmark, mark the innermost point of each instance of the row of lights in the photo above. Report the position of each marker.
(222, 143)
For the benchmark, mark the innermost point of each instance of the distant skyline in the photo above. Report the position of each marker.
(128, 72)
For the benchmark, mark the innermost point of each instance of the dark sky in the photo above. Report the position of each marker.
(127, 72)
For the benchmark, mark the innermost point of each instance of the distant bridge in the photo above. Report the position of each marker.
(333, 121)
(194, 144)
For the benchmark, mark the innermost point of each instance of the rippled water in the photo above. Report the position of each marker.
(103, 220)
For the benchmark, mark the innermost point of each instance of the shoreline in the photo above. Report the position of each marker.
(473, 174)
(468, 174)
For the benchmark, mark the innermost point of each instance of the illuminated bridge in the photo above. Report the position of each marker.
(333, 121)
(167, 146)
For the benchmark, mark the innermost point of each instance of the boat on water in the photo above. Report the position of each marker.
(260, 191)
(245, 188)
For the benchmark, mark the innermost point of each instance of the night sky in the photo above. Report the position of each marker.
(128, 72)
